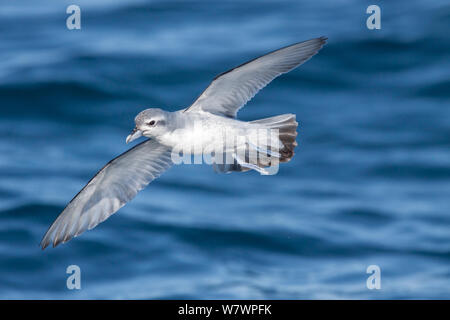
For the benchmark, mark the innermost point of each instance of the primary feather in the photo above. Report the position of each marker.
(110, 189)
(231, 90)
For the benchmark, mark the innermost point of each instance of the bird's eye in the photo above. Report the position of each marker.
(151, 123)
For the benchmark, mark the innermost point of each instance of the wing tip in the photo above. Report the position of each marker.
(44, 244)
(318, 45)
(49, 238)
(323, 40)
(47, 241)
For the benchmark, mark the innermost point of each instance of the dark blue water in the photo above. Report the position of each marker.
(369, 185)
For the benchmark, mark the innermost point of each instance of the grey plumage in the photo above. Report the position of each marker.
(231, 90)
(110, 189)
(215, 109)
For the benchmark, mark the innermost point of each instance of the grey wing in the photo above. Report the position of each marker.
(231, 90)
(110, 189)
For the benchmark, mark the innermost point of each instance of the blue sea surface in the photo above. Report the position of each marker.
(369, 184)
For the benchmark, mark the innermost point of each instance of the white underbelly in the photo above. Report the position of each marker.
(201, 138)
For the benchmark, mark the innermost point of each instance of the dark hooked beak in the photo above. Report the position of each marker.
(136, 133)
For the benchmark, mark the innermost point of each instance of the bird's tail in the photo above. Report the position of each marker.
(281, 149)
(287, 128)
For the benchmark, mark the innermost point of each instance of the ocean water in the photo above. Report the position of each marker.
(369, 184)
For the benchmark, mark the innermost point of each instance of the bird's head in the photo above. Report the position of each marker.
(150, 123)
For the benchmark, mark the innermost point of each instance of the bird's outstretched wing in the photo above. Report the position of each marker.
(231, 90)
(110, 189)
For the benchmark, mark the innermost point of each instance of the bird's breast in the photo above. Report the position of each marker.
(200, 135)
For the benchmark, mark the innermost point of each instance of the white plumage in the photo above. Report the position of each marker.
(203, 123)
